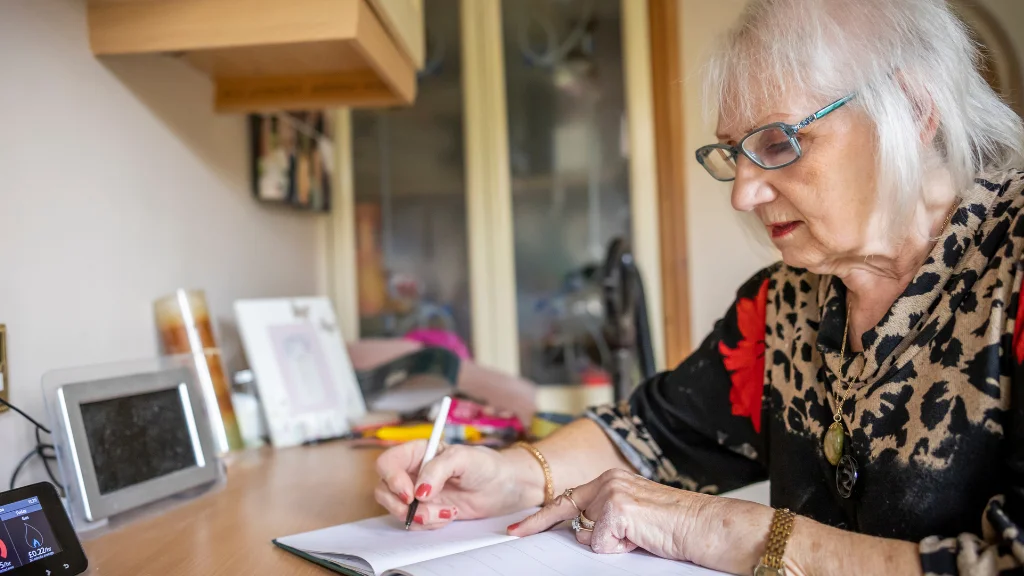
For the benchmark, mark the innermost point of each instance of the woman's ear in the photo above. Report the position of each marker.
(926, 114)
(928, 120)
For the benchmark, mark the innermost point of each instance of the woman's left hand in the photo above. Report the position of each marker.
(630, 511)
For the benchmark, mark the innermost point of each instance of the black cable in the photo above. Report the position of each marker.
(49, 472)
(40, 446)
(39, 441)
(30, 419)
(38, 450)
(17, 469)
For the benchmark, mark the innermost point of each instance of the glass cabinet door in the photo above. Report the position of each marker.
(484, 210)
(568, 158)
(410, 199)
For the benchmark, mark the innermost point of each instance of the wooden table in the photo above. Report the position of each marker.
(268, 494)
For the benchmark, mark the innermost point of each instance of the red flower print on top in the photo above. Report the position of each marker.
(1018, 330)
(745, 362)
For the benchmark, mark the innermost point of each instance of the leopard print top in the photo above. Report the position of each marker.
(935, 418)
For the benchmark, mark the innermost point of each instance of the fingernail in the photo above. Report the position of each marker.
(418, 519)
(513, 527)
(404, 498)
(446, 514)
(423, 491)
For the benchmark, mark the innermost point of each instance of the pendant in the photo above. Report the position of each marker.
(846, 476)
(833, 443)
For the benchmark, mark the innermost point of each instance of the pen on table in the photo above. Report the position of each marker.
(432, 444)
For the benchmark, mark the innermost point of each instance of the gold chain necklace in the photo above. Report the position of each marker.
(835, 439)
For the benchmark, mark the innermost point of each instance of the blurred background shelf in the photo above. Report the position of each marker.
(272, 55)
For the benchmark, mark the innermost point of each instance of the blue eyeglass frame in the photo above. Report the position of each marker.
(789, 129)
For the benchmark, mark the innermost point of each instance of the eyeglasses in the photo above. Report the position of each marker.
(771, 147)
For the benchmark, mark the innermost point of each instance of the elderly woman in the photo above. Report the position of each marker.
(875, 375)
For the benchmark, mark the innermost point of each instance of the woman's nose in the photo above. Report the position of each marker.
(750, 189)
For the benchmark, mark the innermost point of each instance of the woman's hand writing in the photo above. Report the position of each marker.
(462, 482)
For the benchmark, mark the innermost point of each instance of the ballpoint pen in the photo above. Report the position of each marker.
(432, 445)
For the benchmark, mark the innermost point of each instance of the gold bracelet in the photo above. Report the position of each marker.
(778, 536)
(549, 485)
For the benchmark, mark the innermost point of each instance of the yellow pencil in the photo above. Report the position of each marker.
(422, 432)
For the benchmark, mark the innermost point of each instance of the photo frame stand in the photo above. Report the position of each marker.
(92, 510)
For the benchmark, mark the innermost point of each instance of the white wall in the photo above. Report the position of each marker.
(722, 252)
(117, 185)
(1011, 14)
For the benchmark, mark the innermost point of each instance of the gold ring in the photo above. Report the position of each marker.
(568, 496)
(577, 525)
(585, 523)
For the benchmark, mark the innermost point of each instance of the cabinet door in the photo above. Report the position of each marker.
(403, 19)
(480, 208)
(571, 159)
(569, 164)
(410, 200)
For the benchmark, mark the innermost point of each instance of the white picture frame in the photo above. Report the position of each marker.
(307, 386)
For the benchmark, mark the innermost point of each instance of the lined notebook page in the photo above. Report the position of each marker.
(554, 553)
(383, 542)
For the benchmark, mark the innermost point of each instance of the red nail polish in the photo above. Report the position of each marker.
(513, 527)
(423, 491)
(404, 498)
(418, 519)
(445, 514)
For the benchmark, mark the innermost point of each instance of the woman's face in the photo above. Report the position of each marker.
(817, 210)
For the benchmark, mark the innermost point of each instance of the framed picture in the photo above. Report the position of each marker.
(306, 382)
(293, 158)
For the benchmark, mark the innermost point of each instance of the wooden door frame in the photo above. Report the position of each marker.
(338, 270)
(667, 76)
(489, 222)
(643, 163)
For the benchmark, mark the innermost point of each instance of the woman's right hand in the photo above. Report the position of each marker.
(464, 482)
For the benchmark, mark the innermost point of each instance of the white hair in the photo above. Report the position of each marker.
(903, 58)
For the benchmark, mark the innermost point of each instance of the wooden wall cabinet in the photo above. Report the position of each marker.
(273, 55)
(404, 20)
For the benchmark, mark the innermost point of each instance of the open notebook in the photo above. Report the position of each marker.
(381, 547)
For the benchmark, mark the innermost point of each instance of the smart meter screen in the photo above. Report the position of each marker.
(25, 534)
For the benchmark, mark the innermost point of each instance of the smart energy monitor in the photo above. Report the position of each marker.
(36, 536)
